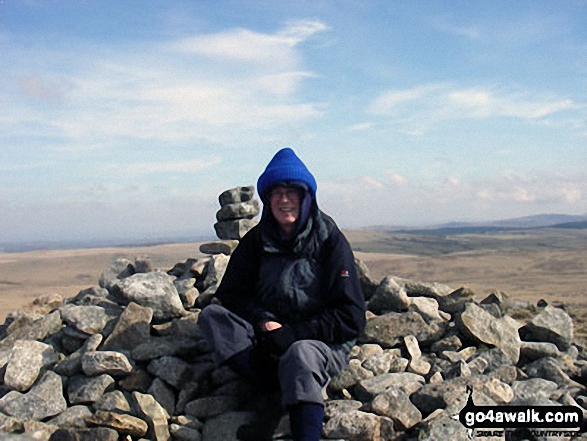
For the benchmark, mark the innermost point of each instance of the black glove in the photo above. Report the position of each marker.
(277, 341)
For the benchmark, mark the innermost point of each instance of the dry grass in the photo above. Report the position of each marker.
(526, 274)
(25, 276)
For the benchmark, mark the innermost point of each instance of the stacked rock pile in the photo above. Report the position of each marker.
(235, 218)
(237, 210)
(126, 360)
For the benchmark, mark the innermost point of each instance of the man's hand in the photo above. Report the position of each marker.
(270, 326)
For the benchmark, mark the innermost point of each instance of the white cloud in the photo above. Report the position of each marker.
(396, 179)
(356, 201)
(418, 110)
(453, 181)
(361, 127)
(163, 167)
(387, 101)
(283, 83)
(244, 45)
(153, 92)
(372, 182)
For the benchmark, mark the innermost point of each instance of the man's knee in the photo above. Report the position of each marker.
(307, 354)
(211, 313)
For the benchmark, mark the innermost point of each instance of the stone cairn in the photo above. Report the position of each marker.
(125, 360)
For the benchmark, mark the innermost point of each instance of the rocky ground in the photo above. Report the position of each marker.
(125, 359)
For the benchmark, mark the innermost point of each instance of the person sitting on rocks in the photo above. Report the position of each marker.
(291, 302)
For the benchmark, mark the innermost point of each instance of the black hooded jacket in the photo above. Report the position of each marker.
(309, 284)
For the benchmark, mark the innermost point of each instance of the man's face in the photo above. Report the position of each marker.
(285, 207)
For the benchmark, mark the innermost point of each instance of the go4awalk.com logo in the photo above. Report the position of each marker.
(484, 421)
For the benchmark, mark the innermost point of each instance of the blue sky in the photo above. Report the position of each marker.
(127, 119)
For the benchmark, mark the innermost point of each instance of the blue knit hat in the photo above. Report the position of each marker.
(284, 167)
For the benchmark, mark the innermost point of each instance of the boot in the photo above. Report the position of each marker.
(268, 412)
(305, 420)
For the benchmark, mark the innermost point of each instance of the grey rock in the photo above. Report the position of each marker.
(114, 401)
(406, 381)
(494, 358)
(143, 264)
(440, 395)
(419, 366)
(164, 395)
(550, 369)
(389, 296)
(219, 247)
(89, 296)
(208, 407)
(9, 424)
(456, 301)
(172, 370)
(483, 327)
(132, 328)
(154, 414)
(334, 407)
(225, 426)
(398, 364)
(421, 289)
(379, 363)
(236, 195)
(182, 433)
(38, 330)
(477, 366)
(73, 364)
(448, 343)
(44, 400)
(551, 325)
(185, 326)
(188, 293)
(215, 270)
(390, 328)
(506, 374)
(105, 362)
(89, 319)
(367, 350)
(462, 355)
(157, 347)
(72, 417)
(497, 298)
(38, 430)
(359, 426)
(122, 423)
(443, 428)
(81, 389)
(368, 283)
(350, 376)
(116, 271)
(187, 421)
(238, 210)
(138, 380)
(26, 360)
(184, 285)
(395, 404)
(411, 344)
(154, 290)
(531, 351)
(427, 308)
(532, 391)
(234, 229)
(90, 434)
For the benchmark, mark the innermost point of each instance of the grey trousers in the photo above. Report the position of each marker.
(303, 370)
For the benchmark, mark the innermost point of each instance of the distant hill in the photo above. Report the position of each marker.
(572, 225)
(526, 222)
(540, 220)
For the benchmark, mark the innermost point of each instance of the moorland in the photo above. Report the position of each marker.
(524, 263)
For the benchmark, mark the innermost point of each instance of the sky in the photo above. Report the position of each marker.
(128, 119)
